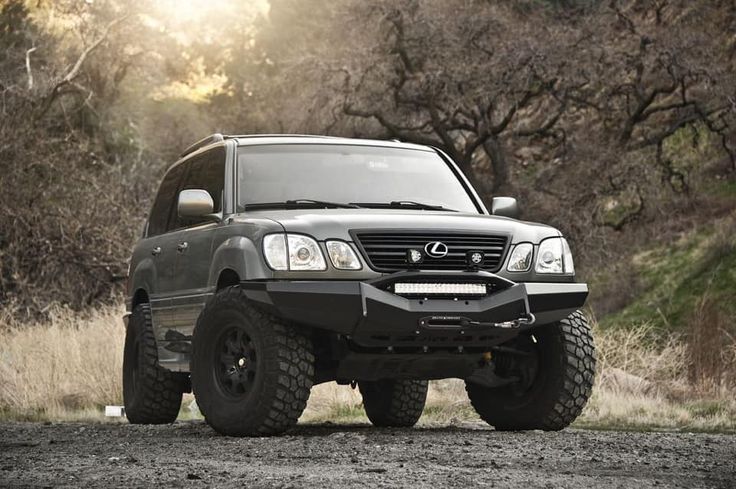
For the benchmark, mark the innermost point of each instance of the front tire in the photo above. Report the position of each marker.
(554, 395)
(394, 403)
(151, 394)
(251, 374)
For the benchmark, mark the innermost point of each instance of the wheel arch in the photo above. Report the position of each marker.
(141, 282)
(238, 257)
(227, 278)
(140, 296)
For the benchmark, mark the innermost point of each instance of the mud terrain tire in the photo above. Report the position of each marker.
(558, 393)
(251, 373)
(394, 403)
(152, 394)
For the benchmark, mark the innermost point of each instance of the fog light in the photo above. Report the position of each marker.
(440, 289)
(414, 257)
(474, 258)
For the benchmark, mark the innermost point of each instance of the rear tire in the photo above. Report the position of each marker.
(251, 374)
(565, 356)
(151, 394)
(394, 403)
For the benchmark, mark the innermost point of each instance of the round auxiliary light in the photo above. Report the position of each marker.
(474, 258)
(414, 256)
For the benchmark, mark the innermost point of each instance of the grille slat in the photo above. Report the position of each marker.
(403, 246)
(386, 251)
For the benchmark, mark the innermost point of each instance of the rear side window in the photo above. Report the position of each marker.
(206, 172)
(165, 200)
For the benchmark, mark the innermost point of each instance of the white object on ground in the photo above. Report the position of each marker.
(114, 411)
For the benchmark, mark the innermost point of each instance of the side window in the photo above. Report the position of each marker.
(206, 172)
(165, 200)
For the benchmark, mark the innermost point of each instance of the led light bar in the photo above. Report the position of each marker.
(440, 289)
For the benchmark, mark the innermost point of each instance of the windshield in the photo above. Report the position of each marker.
(369, 176)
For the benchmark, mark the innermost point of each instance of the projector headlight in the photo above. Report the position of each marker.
(554, 257)
(293, 252)
(521, 258)
(342, 256)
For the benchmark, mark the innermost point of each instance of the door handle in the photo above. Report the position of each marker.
(156, 251)
(182, 246)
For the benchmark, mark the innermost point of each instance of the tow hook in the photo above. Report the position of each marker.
(516, 323)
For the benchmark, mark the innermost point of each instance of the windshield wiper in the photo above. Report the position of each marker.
(287, 204)
(400, 204)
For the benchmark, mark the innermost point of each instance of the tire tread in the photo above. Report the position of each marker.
(291, 375)
(161, 390)
(576, 363)
(394, 403)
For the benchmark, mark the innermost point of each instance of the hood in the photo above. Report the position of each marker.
(337, 223)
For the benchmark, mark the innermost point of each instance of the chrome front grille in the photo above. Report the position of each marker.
(386, 250)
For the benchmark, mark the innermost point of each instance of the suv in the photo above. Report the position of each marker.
(270, 264)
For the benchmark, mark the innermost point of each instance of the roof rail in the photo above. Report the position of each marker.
(245, 136)
(211, 139)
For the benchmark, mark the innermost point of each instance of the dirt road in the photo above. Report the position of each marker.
(189, 454)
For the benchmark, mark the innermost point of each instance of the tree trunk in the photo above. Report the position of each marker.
(465, 165)
(499, 165)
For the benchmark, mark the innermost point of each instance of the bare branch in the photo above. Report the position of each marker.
(28, 67)
(73, 73)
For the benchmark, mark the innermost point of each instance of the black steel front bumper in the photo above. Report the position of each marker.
(370, 315)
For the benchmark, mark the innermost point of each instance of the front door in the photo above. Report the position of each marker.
(194, 243)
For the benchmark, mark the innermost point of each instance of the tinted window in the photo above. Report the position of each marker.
(347, 173)
(206, 172)
(165, 200)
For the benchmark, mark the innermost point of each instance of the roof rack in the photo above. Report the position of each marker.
(211, 139)
(245, 136)
(217, 138)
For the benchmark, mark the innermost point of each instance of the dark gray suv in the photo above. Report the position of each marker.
(270, 264)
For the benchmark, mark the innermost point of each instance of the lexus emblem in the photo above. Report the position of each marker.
(436, 249)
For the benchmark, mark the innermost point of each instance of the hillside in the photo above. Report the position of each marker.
(673, 280)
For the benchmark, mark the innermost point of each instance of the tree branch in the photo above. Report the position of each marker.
(28, 68)
(73, 73)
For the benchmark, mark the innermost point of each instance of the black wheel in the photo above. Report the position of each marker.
(555, 379)
(394, 403)
(151, 394)
(251, 374)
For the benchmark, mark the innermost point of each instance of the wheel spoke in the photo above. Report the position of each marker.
(237, 360)
(227, 359)
(230, 346)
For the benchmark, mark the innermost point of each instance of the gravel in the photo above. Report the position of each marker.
(190, 454)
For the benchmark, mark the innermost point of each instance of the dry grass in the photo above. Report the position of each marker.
(66, 368)
(70, 367)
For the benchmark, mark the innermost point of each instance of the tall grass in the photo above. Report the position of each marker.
(70, 367)
(66, 367)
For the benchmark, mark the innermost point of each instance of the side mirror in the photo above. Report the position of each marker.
(505, 206)
(195, 203)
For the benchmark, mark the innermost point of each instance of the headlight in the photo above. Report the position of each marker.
(554, 257)
(342, 256)
(274, 249)
(303, 252)
(521, 258)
